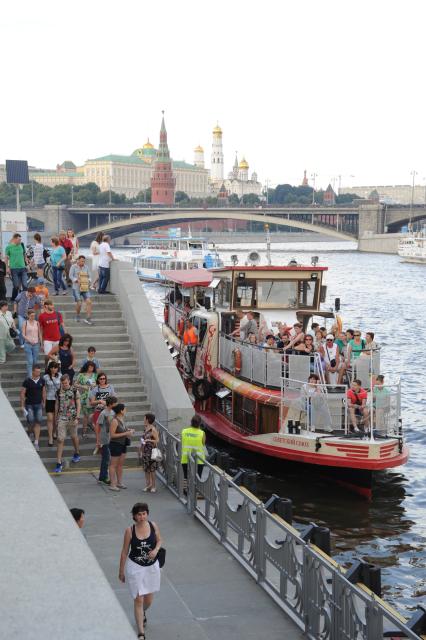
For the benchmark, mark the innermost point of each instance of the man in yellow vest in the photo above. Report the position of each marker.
(193, 441)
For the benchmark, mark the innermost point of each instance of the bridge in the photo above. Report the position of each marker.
(343, 223)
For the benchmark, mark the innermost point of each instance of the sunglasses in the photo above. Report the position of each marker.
(102, 378)
(357, 334)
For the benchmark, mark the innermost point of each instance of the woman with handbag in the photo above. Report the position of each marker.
(149, 442)
(139, 563)
(119, 441)
(7, 329)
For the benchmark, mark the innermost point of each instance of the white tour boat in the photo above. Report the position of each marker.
(157, 254)
(412, 247)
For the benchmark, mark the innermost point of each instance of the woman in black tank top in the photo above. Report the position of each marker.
(138, 562)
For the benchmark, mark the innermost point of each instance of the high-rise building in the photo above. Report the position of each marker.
(216, 171)
(163, 182)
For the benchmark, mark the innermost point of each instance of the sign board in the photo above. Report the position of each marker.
(12, 222)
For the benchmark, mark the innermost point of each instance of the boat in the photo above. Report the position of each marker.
(412, 247)
(259, 399)
(172, 252)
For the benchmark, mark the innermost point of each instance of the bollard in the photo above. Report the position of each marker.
(320, 536)
(222, 460)
(368, 574)
(284, 509)
(250, 481)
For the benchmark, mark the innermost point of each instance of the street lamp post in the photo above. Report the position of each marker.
(32, 193)
(72, 195)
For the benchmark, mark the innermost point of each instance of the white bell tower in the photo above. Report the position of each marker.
(216, 171)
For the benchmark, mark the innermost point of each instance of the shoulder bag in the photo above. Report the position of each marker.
(156, 455)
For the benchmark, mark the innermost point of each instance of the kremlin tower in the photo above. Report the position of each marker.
(216, 171)
(163, 182)
(199, 157)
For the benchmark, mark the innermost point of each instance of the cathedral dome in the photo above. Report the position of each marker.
(217, 130)
(199, 149)
(148, 145)
(243, 164)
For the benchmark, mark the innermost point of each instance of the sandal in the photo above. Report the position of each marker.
(141, 636)
(147, 489)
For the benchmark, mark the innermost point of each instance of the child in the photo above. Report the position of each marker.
(91, 352)
(41, 290)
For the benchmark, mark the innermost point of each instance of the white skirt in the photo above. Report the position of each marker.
(142, 580)
(95, 261)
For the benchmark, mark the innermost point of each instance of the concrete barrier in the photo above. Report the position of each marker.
(166, 392)
(51, 585)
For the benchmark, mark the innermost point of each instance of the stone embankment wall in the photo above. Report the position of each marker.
(51, 585)
(165, 389)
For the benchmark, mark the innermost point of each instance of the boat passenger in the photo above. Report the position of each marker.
(190, 340)
(381, 401)
(355, 346)
(370, 343)
(357, 400)
(270, 342)
(283, 341)
(324, 332)
(312, 331)
(239, 322)
(296, 335)
(330, 353)
(248, 327)
(252, 339)
(318, 339)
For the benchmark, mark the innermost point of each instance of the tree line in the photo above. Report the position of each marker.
(38, 195)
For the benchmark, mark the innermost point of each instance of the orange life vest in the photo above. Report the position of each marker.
(190, 336)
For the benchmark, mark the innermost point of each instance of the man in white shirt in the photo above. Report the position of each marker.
(105, 257)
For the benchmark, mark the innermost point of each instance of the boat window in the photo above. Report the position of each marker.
(307, 293)
(245, 293)
(268, 418)
(277, 293)
(244, 413)
(224, 406)
(183, 245)
(223, 294)
(195, 245)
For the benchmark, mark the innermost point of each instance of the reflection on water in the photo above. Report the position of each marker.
(381, 294)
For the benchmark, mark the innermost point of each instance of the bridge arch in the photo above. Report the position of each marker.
(158, 219)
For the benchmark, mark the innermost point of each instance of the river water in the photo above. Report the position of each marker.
(382, 294)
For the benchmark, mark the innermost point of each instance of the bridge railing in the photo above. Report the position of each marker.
(306, 583)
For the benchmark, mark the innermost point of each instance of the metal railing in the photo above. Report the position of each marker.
(314, 407)
(308, 585)
(264, 366)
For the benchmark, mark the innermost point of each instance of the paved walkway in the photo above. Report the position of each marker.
(205, 593)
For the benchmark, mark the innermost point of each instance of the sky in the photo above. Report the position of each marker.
(333, 87)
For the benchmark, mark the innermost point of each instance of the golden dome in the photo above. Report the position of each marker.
(199, 149)
(243, 164)
(148, 145)
(217, 130)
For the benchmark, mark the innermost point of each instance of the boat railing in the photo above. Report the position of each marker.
(262, 365)
(325, 407)
(317, 593)
(313, 407)
(366, 364)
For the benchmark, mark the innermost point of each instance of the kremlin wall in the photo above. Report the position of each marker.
(149, 167)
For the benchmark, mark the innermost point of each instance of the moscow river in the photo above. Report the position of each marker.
(378, 293)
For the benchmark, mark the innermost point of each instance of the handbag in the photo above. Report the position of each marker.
(13, 333)
(161, 557)
(127, 442)
(156, 455)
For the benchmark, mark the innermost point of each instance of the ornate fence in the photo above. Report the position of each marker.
(308, 585)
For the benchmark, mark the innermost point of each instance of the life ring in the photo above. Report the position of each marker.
(181, 326)
(339, 324)
(166, 315)
(202, 389)
(237, 360)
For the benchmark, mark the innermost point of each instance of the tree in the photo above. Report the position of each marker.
(233, 200)
(181, 196)
(7, 195)
(250, 199)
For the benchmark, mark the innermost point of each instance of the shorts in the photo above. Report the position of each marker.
(48, 346)
(34, 413)
(117, 449)
(64, 425)
(80, 295)
(86, 410)
(50, 406)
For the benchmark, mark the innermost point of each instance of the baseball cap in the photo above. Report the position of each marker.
(330, 337)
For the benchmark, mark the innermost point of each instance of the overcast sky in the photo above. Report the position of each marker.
(336, 87)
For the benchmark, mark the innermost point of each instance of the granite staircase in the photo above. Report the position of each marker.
(115, 354)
